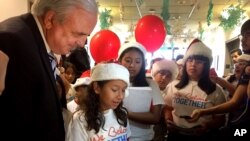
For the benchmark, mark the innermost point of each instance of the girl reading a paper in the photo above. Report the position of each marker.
(144, 102)
(101, 116)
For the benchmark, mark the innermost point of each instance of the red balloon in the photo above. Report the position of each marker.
(104, 46)
(150, 31)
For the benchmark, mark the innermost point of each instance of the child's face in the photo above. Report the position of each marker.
(111, 94)
(194, 68)
(132, 60)
(81, 92)
(70, 74)
(162, 78)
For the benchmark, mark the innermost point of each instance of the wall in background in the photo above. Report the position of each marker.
(9, 8)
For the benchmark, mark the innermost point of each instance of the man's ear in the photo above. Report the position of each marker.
(97, 88)
(48, 19)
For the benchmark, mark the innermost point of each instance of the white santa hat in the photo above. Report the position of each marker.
(83, 80)
(165, 64)
(196, 47)
(132, 45)
(244, 57)
(110, 71)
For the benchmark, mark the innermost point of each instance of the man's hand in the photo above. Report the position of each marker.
(4, 59)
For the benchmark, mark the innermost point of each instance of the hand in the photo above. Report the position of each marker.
(248, 89)
(61, 69)
(195, 115)
(4, 59)
(247, 70)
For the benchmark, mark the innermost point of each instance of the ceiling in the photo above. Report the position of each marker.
(185, 11)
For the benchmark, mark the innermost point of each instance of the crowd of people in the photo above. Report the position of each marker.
(114, 100)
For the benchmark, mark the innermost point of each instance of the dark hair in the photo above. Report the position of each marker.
(63, 100)
(80, 58)
(178, 57)
(239, 52)
(205, 82)
(67, 64)
(245, 27)
(140, 79)
(94, 116)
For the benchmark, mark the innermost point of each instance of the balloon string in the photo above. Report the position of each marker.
(138, 8)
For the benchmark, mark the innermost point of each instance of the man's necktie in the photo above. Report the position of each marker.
(53, 63)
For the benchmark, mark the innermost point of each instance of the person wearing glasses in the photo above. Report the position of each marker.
(195, 90)
(239, 103)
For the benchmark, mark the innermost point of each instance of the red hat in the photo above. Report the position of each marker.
(85, 74)
(83, 80)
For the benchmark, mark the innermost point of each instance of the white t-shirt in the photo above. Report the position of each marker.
(112, 130)
(72, 106)
(67, 115)
(191, 97)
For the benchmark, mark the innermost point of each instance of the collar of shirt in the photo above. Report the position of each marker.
(58, 57)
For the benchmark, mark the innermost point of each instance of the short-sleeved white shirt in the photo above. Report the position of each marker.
(112, 130)
(191, 97)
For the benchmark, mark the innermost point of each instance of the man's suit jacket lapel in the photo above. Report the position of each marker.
(45, 60)
(43, 52)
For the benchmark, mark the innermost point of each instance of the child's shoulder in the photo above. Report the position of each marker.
(78, 115)
(174, 82)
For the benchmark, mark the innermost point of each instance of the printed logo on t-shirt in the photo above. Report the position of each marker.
(188, 100)
(112, 134)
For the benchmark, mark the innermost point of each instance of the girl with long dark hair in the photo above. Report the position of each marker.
(101, 115)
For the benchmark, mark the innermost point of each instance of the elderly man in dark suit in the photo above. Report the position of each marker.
(29, 105)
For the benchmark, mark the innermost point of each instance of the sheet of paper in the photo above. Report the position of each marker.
(139, 99)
